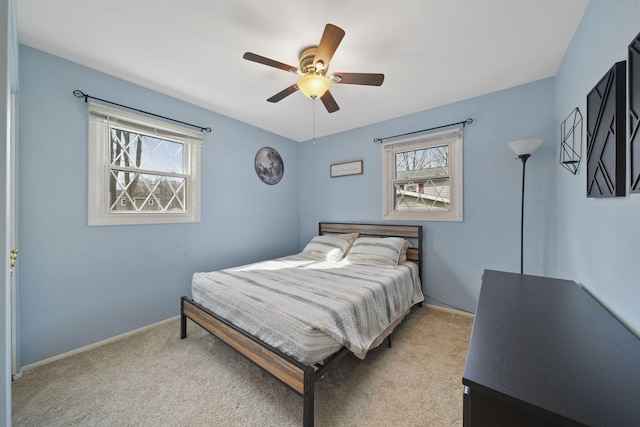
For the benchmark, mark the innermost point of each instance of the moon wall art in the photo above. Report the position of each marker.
(269, 165)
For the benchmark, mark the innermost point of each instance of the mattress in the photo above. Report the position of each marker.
(309, 308)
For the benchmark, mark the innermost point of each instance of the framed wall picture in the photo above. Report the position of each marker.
(634, 113)
(345, 169)
(606, 134)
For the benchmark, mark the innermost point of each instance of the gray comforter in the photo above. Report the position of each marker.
(309, 308)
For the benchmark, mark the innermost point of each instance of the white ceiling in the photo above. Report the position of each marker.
(432, 52)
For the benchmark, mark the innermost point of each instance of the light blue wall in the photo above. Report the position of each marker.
(80, 284)
(489, 237)
(597, 239)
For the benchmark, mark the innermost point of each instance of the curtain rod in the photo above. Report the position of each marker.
(79, 94)
(463, 123)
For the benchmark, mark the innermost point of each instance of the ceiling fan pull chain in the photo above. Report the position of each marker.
(314, 120)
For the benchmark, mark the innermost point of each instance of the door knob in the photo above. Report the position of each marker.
(13, 256)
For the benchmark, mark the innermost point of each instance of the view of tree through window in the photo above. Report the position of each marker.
(147, 173)
(422, 180)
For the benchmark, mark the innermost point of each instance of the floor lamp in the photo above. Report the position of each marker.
(523, 148)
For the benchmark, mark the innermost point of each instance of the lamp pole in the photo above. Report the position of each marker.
(524, 158)
(523, 149)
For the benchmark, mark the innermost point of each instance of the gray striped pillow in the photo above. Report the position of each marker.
(376, 251)
(332, 248)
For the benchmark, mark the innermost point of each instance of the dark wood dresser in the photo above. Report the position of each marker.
(543, 352)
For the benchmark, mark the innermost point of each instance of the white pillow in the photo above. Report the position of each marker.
(331, 248)
(403, 253)
(376, 251)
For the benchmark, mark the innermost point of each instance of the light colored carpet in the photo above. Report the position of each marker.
(153, 378)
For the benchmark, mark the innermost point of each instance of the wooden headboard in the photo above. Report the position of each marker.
(412, 233)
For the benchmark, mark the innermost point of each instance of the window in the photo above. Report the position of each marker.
(141, 170)
(422, 178)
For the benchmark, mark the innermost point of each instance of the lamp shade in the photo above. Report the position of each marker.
(313, 85)
(525, 147)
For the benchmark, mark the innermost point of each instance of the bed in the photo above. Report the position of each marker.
(297, 316)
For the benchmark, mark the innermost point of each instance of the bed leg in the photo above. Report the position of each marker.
(183, 320)
(389, 341)
(308, 405)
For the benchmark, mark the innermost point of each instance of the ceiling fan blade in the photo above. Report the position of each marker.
(283, 94)
(270, 62)
(329, 42)
(358, 78)
(329, 103)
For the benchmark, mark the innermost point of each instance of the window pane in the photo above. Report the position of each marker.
(138, 192)
(422, 182)
(135, 150)
(422, 195)
(427, 162)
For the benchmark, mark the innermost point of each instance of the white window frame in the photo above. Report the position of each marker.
(452, 138)
(100, 118)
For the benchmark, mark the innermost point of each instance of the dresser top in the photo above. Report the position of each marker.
(548, 346)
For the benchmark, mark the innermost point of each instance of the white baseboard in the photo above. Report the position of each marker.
(89, 347)
(135, 331)
(450, 310)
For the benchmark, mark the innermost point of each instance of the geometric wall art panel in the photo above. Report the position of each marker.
(634, 113)
(571, 141)
(606, 134)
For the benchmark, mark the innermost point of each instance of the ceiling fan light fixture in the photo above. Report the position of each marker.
(314, 65)
(313, 85)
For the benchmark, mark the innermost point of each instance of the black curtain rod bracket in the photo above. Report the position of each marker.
(79, 94)
(463, 123)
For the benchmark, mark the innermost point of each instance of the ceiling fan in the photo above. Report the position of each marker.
(314, 63)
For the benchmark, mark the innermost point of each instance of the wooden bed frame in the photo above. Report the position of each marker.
(298, 377)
